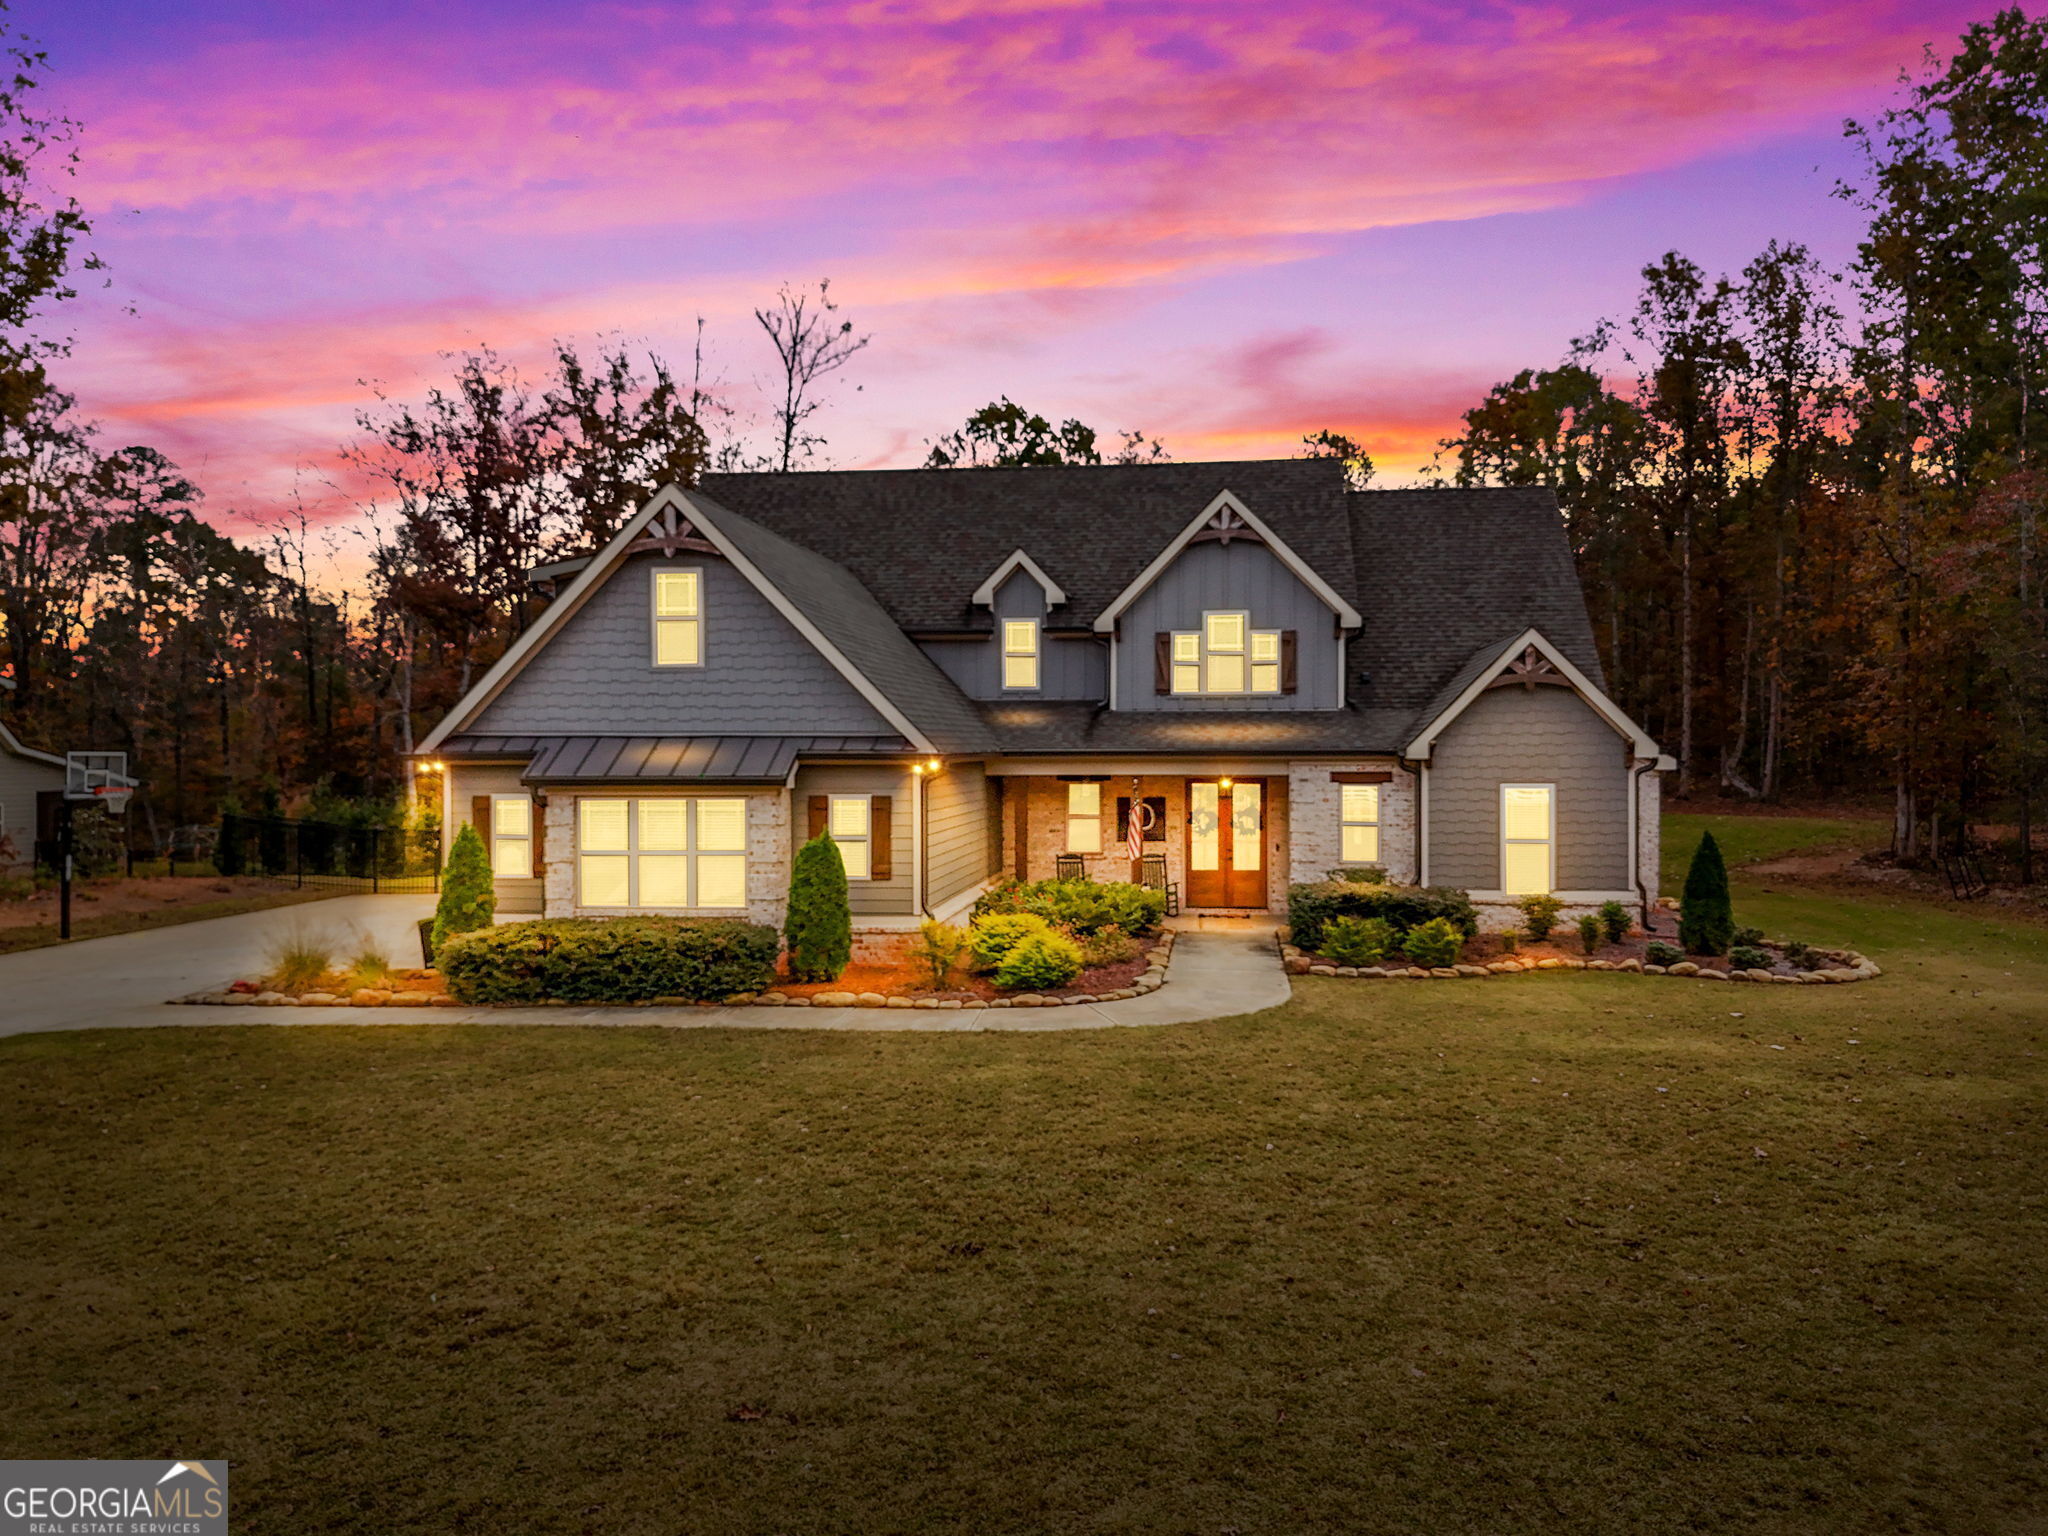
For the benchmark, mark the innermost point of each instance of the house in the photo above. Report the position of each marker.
(972, 674)
(31, 785)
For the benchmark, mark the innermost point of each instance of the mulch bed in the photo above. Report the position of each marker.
(896, 979)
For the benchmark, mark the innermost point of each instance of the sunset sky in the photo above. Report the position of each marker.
(1226, 224)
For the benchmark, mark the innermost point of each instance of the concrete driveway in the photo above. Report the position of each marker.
(1219, 970)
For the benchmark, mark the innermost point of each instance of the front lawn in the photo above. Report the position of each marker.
(1561, 1253)
(1753, 838)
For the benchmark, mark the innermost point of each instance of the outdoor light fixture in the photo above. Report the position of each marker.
(931, 765)
(1224, 783)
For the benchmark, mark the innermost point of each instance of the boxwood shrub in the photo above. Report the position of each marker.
(1081, 907)
(1404, 907)
(610, 960)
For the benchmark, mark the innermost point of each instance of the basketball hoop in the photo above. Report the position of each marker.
(99, 778)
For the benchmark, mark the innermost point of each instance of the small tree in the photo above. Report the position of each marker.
(1706, 917)
(467, 900)
(819, 926)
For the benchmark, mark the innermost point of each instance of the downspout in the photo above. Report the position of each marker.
(1635, 838)
(1422, 821)
(917, 782)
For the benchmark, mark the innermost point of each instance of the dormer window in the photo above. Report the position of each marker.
(1226, 655)
(678, 618)
(1020, 653)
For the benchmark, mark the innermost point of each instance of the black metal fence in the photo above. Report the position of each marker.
(352, 858)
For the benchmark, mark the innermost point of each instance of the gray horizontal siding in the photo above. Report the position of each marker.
(1516, 736)
(1235, 577)
(21, 779)
(896, 895)
(961, 847)
(595, 676)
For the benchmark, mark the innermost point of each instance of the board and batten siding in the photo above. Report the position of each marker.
(897, 895)
(1236, 577)
(596, 675)
(465, 782)
(962, 842)
(21, 780)
(1067, 669)
(1540, 736)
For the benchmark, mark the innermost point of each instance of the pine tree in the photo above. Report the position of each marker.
(819, 926)
(467, 900)
(1706, 917)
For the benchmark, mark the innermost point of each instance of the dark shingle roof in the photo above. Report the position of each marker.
(1054, 727)
(921, 540)
(1445, 573)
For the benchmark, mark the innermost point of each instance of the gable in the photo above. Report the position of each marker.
(594, 676)
(1525, 662)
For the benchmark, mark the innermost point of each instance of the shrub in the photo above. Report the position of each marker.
(297, 958)
(1540, 913)
(1357, 940)
(819, 923)
(1589, 933)
(1614, 921)
(1080, 906)
(1749, 938)
(1000, 932)
(1706, 917)
(610, 960)
(1747, 957)
(1660, 953)
(1436, 942)
(1510, 940)
(939, 952)
(1803, 957)
(1112, 946)
(468, 901)
(1360, 874)
(1037, 961)
(1404, 907)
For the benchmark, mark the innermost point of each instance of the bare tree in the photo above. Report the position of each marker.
(812, 342)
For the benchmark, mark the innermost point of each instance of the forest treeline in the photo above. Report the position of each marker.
(1805, 503)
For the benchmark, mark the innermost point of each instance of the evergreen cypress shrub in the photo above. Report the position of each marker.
(468, 901)
(819, 926)
(1706, 916)
(1589, 933)
(1614, 921)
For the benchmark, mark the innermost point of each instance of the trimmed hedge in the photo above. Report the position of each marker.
(1081, 907)
(610, 960)
(1404, 907)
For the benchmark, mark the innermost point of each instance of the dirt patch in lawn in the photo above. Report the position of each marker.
(144, 893)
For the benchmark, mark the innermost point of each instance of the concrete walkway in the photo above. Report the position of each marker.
(1221, 967)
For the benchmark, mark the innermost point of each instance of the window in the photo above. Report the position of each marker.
(1360, 814)
(851, 821)
(1527, 847)
(1084, 818)
(1020, 653)
(511, 837)
(678, 619)
(1226, 655)
(662, 853)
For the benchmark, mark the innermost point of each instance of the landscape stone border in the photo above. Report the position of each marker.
(1158, 957)
(1849, 966)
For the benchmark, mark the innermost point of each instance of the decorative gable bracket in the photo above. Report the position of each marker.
(669, 533)
(1224, 524)
(1529, 670)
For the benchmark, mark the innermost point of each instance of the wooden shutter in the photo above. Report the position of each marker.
(1290, 665)
(821, 810)
(879, 828)
(533, 827)
(480, 816)
(1162, 662)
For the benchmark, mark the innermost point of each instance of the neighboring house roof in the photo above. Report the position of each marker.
(922, 539)
(623, 759)
(12, 743)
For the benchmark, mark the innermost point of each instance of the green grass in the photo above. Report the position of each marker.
(99, 926)
(1566, 1253)
(1753, 839)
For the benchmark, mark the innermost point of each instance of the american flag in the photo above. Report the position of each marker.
(1134, 836)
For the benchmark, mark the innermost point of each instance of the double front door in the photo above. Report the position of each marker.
(1226, 864)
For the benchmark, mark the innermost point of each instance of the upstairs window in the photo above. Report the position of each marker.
(678, 619)
(1226, 655)
(1020, 653)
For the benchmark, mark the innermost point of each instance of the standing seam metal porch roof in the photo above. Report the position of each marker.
(632, 759)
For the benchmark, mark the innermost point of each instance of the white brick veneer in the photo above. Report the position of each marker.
(1316, 838)
(767, 853)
